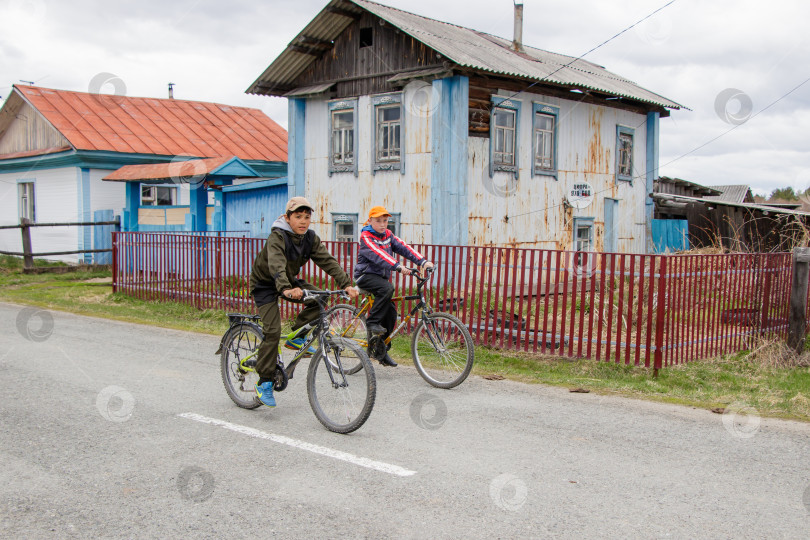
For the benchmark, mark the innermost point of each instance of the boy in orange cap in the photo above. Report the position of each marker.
(375, 262)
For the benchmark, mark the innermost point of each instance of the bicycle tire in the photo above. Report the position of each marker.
(450, 366)
(345, 322)
(336, 408)
(239, 384)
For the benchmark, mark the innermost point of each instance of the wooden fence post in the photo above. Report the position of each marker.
(28, 258)
(798, 299)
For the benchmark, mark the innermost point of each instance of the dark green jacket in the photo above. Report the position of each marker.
(273, 272)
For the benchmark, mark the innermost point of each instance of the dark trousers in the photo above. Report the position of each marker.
(384, 311)
(271, 327)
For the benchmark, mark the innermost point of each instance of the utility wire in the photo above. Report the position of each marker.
(687, 153)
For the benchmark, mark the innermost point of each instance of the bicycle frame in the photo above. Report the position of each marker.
(421, 306)
(320, 331)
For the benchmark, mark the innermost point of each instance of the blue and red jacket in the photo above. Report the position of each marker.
(376, 254)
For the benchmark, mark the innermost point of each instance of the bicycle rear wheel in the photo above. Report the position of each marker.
(345, 322)
(341, 401)
(242, 342)
(442, 350)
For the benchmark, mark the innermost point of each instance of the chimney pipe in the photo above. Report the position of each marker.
(517, 43)
(171, 90)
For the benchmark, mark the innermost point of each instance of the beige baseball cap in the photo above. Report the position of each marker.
(297, 203)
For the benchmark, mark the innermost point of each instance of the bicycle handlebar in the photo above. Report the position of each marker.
(316, 295)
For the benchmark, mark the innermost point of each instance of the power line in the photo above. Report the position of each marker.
(738, 125)
(687, 153)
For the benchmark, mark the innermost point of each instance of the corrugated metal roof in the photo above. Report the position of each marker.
(750, 206)
(698, 189)
(733, 193)
(159, 126)
(309, 90)
(463, 46)
(415, 74)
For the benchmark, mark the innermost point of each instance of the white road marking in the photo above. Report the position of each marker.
(309, 447)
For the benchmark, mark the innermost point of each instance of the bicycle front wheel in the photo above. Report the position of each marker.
(241, 345)
(341, 401)
(345, 322)
(442, 350)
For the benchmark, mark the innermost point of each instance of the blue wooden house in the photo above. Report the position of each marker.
(468, 138)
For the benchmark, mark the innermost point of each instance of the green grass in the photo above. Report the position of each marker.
(90, 293)
(777, 392)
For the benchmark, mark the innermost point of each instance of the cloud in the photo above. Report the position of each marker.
(688, 52)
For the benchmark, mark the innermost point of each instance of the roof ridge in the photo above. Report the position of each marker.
(22, 86)
(569, 64)
(490, 35)
(411, 13)
(579, 75)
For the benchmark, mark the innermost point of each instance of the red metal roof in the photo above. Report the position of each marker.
(159, 126)
(177, 170)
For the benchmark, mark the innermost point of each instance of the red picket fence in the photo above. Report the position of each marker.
(651, 310)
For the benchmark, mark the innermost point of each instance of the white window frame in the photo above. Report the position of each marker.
(343, 165)
(388, 163)
(541, 109)
(394, 223)
(584, 267)
(508, 106)
(152, 199)
(343, 218)
(26, 199)
(623, 133)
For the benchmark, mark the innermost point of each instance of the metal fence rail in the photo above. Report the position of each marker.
(651, 310)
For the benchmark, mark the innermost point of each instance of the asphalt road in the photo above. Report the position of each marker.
(120, 430)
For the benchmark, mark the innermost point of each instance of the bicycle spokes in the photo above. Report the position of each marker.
(442, 350)
(341, 401)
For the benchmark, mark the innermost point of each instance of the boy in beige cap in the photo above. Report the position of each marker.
(275, 273)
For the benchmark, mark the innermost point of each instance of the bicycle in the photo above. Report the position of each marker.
(441, 346)
(341, 403)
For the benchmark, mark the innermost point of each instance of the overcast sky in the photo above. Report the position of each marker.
(691, 52)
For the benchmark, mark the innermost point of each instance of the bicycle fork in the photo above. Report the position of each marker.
(437, 341)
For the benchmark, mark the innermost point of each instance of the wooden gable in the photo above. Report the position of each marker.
(23, 129)
(357, 70)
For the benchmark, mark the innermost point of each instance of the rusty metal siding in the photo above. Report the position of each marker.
(408, 193)
(529, 212)
(502, 210)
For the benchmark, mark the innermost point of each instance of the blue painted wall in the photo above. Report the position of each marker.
(255, 208)
(449, 133)
(296, 138)
(611, 244)
(670, 235)
(652, 173)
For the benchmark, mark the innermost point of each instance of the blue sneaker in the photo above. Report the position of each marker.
(265, 393)
(297, 343)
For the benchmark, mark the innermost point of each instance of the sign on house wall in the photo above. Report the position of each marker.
(580, 195)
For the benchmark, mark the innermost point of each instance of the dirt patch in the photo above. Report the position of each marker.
(98, 280)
